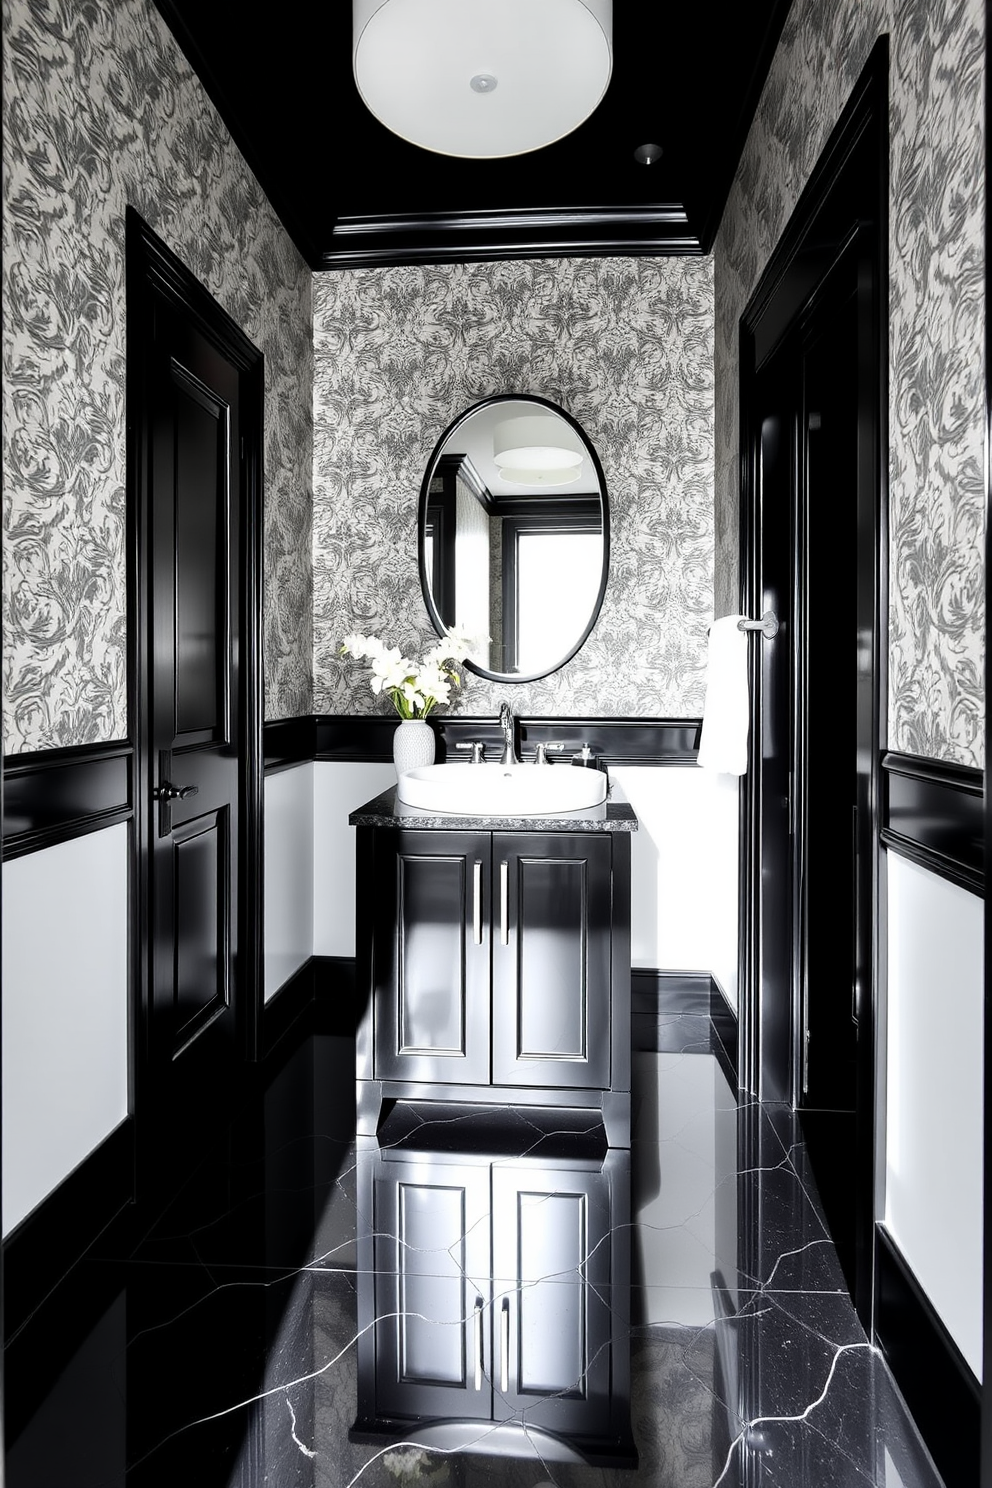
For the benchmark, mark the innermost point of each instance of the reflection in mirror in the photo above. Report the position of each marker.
(514, 535)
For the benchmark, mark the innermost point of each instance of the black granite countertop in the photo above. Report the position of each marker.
(614, 815)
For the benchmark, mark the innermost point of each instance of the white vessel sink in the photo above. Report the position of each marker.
(502, 790)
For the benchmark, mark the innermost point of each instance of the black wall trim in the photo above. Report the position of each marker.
(682, 998)
(55, 1235)
(282, 1013)
(473, 237)
(937, 1384)
(55, 795)
(369, 738)
(323, 991)
(670, 993)
(335, 992)
(287, 742)
(933, 813)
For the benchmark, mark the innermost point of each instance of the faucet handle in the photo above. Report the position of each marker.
(478, 749)
(542, 750)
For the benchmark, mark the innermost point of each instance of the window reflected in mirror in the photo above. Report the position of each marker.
(514, 539)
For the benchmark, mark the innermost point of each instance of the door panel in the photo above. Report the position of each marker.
(828, 704)
(552, 960)
(432, 1289)
(202, 569)
(772, 659)
(551, 1298)
(432, 958)
(202, 916)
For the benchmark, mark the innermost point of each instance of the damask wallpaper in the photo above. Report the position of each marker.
(101, 109)
(936, 332)
(626, 347)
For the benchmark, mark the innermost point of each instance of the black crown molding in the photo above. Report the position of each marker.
(478, 237)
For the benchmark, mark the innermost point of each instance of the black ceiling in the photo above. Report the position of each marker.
(351, 194)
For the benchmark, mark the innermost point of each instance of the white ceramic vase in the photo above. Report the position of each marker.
(413, 745)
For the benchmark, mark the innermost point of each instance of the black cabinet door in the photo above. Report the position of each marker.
(552, 1321)
(431, 957)
(432, 1288)
(551, 960)
(492, 1291)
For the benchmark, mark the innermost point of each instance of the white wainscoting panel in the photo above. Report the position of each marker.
(934, 1101)
(338, 789)
(684, 870)
(65, 1011)
(288, 874)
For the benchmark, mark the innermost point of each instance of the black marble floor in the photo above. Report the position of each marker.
(554, 1314)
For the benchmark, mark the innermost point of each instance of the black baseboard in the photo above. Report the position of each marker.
(670, 993)
(723, 1016)
(936, 1383)
(48, 1242)
(287, 1008)
(336, 1009)
(319, 998)
(702, 1020)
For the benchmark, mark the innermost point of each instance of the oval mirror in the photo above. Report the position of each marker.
(514, 536)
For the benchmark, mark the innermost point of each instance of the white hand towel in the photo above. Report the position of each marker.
(723, 740)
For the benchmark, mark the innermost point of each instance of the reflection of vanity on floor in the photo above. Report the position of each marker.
(494, 961)
(486, 1289)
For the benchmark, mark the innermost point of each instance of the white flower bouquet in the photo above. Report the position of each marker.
(415, 688)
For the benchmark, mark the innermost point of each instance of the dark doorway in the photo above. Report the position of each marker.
(194, 427)
(813, 408)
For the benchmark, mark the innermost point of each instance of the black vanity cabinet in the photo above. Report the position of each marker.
(486, 1295)
(495, 968)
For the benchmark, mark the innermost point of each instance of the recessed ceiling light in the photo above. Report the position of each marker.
(647, 154)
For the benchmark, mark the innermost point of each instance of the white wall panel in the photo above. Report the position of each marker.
(934, 1103)
(684, 870)
(288, 874)
(65, 1011)
(338, 790)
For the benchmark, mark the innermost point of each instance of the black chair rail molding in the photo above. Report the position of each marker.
(932, 813)
(55, 795)
(368, 738)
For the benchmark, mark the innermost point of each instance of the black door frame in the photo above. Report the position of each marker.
(155, 274)
(818, 233)
(986, 1407)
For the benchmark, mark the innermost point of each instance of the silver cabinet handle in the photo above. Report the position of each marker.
(504, 1346)
(477, 901)
(504, 903)
(479, 1304)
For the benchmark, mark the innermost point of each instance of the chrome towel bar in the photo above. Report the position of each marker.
(768, 625)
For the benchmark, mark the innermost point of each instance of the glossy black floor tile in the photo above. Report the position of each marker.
(475, 1298)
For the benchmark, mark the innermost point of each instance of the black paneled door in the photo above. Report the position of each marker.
(196, 698)
(813, 415)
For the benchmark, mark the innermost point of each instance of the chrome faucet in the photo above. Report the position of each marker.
(509, 756)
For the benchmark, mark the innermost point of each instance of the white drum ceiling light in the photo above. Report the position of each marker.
(531, 451)
(482, 78)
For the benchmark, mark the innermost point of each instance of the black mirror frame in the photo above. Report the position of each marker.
(422, 513)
